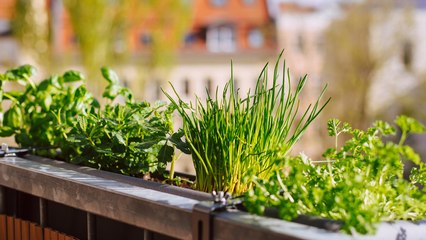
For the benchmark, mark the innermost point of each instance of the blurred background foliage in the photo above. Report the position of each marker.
(101, 31)
(353, 62)
(31, 27)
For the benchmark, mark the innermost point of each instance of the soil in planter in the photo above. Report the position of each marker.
(180, 180)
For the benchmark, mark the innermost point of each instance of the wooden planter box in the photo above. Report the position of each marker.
(91, 204)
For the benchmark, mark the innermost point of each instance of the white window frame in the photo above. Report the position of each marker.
(221, 39)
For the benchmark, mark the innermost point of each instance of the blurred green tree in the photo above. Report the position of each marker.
(171, 19)
(30, 26)
(357, 46)
(103, 30)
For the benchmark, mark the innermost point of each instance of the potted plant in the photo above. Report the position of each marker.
(357, 186)
(239, 145)
(60, 119)
(233, 137)
(236, 142)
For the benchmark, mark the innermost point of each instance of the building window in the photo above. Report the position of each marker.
(300, 43)
(5, 28)
(189, 39)
(320, 41)
(119, 46)
(248, 2)
(146, 39)
(186, 87)
(126, 83)
(221, 39)
(218, 3)
(158, 89)
(407, 54)
(209, 86)
(255, 38)
(74, 39)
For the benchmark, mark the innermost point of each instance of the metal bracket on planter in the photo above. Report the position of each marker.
(203, 214)
(6, 151)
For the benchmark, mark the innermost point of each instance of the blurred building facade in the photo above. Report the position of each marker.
(8, 46)
(301, 26)
(406, 69)
(301, 29)
(220, 31)
(248, 32)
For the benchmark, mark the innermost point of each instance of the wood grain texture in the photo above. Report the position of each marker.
(3, 233)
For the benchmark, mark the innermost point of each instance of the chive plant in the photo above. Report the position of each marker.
(232, 138)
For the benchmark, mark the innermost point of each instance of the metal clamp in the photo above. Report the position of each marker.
(5, 150)
(203, 214)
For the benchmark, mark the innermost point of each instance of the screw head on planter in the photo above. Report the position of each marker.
(220, 197)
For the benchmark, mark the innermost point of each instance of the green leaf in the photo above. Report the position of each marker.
(384, 127)
(176, 139)
(13, 95)
(332, 127)
(111, 92)
(144, 144)
(55, 81)
(410, 154)
(45, 101)
(119, 137)
(75, 138)
(13, 117)
(24, 139)
(22, 72)
(418, 175)
(72, 76)
(44, 85)
(165, 154)
(82, 123)
(6, 131)
(95, 103)
(81, 93)
(110, 75)
(409, 125)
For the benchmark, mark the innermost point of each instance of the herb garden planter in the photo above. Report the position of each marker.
(238, 144)
(99, 201)
(154, 207)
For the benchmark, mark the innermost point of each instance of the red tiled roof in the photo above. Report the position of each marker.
(234, 11)
(6, 9)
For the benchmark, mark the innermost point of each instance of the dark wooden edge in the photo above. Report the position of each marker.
(184, 192)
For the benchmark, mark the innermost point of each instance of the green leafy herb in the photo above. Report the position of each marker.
(131, 139)
(359, 184)
(59, 113)
(33, 114)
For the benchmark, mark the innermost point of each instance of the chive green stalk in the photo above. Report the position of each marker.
(232, 138)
